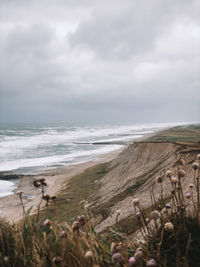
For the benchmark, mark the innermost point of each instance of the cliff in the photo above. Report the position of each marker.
(133, 174)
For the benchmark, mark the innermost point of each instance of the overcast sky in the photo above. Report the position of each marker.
(97, 61)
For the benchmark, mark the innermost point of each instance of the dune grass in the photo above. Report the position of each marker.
(80, 187)
(169, 233)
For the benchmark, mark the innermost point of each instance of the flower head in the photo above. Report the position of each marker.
(169, 173)
(47, 223)
(168, 206)
(138, 255)
(191, 186)
(63, 234)
(131, 261)
(181, 173)
(151, 263)
(136, 201)
(75, 226)
(57, 260)
(81, 220)
(169, 227)
(159, 179)
(116, 257)
(174, 179)
(187, 195)
(195, 166)
(89, 254)
(155, 215)
(182, 162)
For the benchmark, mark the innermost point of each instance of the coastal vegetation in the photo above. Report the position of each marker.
(65, 232)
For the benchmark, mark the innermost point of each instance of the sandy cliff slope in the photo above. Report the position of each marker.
(134, 172)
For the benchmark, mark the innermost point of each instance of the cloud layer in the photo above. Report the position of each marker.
(99, 61)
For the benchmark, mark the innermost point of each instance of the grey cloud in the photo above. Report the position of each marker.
(127, 61)
(129, 29)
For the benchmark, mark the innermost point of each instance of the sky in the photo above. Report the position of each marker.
(92, 61)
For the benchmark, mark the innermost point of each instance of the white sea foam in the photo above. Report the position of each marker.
(52, 145)
(27, 148)
(73, 157)
(6, 188)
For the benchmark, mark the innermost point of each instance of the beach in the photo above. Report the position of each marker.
(10, 205)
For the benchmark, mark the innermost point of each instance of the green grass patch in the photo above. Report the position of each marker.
(78, 188)
(189, 133)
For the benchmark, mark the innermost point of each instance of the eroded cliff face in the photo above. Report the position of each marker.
(133, 174)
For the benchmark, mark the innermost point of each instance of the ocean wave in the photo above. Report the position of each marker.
(23, 147)
(6, 188)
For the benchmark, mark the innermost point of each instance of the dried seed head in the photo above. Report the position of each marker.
(47, 223)
(89, 254)
(46, 197)
(81, 220)
(181, 173)
(182, 162)
(155, 215)
(136, 201)
(36, 183)
(169, 173)
(151, 263)
(168, 206)
(187, 195)
(41, 180)
(169, 227)
(75, 226)
(174, 179)
(131, 261)
(191, 186)
(195, 166)
(44, 183)
(159, 179)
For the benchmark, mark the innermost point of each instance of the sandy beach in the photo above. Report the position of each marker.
(10, 207)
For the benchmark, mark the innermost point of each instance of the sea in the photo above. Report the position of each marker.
(32, 148)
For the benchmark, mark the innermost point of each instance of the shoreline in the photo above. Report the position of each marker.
(10, 207)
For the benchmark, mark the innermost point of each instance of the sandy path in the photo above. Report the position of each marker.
(10, 206)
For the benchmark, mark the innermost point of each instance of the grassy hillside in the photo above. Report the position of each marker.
(86, 185)
(163, 231)
(168, 234)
